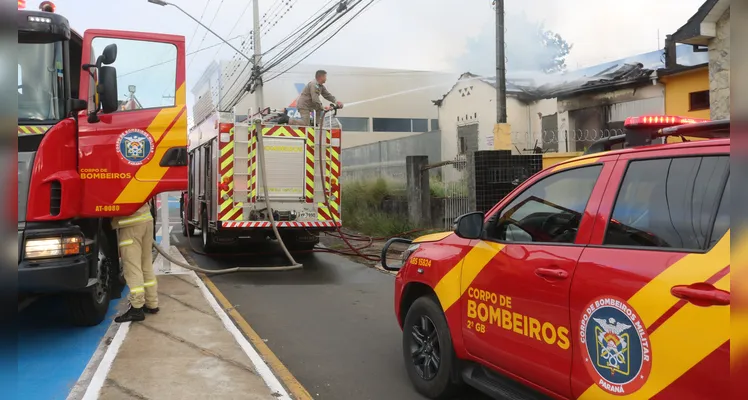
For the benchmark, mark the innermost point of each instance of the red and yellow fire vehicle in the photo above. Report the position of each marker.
(606, 276)
(87, 153)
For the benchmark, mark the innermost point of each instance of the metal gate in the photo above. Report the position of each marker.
(454, 181)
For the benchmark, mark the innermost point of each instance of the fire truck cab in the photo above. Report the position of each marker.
(87, 153)
(601, 277)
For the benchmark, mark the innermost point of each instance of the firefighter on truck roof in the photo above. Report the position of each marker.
(135, 238)
(308, 100)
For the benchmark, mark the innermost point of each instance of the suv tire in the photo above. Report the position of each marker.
(426, 318)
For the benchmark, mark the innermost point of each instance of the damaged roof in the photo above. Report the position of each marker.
(616, 76)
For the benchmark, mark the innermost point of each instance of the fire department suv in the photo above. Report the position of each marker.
(87, 154)
(605, 276)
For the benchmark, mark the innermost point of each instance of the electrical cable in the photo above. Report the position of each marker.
(321, 44)
(206, 32)
(283, 55)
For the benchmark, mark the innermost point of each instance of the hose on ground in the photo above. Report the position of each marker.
(220, 271)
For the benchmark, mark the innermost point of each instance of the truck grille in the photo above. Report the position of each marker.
(55, 198)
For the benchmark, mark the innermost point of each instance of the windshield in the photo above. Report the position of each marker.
(40, 81)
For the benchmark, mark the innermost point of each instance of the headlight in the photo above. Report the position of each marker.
(406, 254)
(52, 247)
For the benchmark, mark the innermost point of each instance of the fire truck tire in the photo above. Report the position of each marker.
(425, 319)
(89, 308)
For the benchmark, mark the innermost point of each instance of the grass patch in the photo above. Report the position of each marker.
(361, 203)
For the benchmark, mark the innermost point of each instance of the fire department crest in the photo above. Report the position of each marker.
(618, 356)
(135, 146)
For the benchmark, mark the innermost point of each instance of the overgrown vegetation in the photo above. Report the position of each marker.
(362, 208)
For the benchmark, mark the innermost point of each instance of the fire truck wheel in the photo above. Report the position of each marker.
(89, 308)
(427, 349)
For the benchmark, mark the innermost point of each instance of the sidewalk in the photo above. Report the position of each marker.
(189, 350)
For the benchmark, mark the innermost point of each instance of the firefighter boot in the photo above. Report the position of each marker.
(132, 314)
(150, 310)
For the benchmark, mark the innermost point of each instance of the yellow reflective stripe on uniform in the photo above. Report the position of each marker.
(126, 242)
(137, 289)
(150, 283)
(140, 218)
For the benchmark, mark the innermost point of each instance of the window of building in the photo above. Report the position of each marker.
(434, 124)
(669, 203)
(420, 125)
(400, 125)
(549, 211)
(354, 124)
(698, 100)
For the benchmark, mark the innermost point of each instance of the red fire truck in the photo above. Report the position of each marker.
(86, 153)
(603, 277)
(226, 198)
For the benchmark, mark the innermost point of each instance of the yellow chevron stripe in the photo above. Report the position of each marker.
(226, 163)
(701, 330)
(686, 338)
(455, 282)
(654, 299)
(150, 174)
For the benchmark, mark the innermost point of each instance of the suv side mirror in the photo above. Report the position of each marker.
(469, 226)
(107, 89)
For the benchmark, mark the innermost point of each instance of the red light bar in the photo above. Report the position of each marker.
(660, 121)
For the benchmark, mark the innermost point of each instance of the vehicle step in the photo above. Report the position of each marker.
(497, 386)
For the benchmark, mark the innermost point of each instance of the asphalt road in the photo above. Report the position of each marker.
(332, 324)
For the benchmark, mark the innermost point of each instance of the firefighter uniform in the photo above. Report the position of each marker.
(308, 101)
(135, 237)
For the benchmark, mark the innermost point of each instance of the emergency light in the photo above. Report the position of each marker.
(21, 4)
(47, 6)
(659, 121)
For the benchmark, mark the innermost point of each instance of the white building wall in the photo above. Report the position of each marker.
(472, 101)
(396, 94)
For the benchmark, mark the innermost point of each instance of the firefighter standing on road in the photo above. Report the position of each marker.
(308, 100)
(135, 238)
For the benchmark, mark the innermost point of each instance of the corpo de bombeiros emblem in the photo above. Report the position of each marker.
(618, 356)
(135, 146)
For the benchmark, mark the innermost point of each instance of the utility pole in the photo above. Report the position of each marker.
(500, 64)
(259, 99)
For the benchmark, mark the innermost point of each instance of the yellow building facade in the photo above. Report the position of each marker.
(687, 93)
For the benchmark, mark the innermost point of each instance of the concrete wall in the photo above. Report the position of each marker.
(474, 102)
(719, 69)
(387, 158)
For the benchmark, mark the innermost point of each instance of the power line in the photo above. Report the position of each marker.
(206, 32)
(174, 59)
(194, 33)
(327, 40)
(238, 94)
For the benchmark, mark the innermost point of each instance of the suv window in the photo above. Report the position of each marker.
(668, 203)
(722, 222)
(549, 211)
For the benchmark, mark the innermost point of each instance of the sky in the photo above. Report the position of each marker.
(443, 35)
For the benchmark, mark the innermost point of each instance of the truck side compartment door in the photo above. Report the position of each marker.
(138, 151)
(650, 298)
(517, 308)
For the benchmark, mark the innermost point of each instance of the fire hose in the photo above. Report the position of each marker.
(356, 251)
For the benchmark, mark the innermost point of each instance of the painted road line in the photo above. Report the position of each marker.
(280, 371)
(99, 377)
(263, 369)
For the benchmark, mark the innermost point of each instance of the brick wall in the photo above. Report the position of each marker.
(719, 69)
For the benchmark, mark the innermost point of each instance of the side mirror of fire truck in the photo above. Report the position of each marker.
(107, 89)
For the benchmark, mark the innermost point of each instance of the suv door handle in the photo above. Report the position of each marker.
(552, 273)
(701, 294)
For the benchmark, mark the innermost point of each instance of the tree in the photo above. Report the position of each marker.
(530, 48)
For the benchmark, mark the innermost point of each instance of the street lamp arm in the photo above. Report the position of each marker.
(164, 3)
